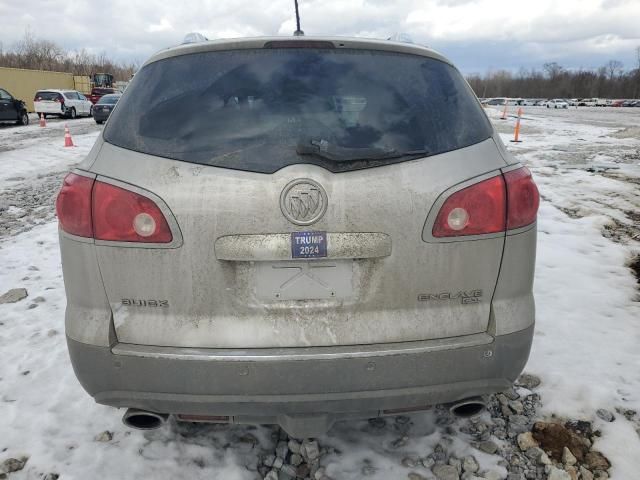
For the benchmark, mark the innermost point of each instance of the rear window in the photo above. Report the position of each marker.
(101, 91)
(108, 100)
(46, 96)
(261, 110)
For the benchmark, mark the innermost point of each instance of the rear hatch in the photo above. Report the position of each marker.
(300, 181)
(48, 102)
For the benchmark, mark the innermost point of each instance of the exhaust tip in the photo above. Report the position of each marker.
(468, 408)
(143, 420)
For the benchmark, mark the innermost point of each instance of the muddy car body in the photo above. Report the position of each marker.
(335, 231)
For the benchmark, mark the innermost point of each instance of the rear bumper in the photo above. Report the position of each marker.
(55, 109)
(264, 386)
(100, 115)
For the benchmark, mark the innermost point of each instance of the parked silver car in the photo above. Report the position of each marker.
(297, 231)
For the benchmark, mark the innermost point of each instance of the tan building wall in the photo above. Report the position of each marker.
(83, 84)
(23, 84)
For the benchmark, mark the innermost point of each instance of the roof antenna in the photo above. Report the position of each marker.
(298, 32)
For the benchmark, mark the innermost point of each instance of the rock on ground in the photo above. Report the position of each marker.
(553, 437)
(567, 457)
(557, 474)
(11, 465)
(14, 295)
(526, 441)
(445, 472)
(529, 381)
(605, 415)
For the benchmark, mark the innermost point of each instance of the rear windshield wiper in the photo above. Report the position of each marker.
(325, 149)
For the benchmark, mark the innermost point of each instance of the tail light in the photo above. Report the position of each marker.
(94, 209)
(475, 210)
(523, 198)
(124, 216)
(494, 205)
(73, 205)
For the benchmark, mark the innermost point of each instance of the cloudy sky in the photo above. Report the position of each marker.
(477, 35)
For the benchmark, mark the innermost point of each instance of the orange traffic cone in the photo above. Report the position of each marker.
(504, 112)
(43, 121)
(68, 141)
(516, 133)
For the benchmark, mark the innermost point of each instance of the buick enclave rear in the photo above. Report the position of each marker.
(297, 231)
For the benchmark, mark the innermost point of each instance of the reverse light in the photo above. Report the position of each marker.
(458, 218)
(94, 209)
(144, 225)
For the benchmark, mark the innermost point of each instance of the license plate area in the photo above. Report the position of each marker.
(303, 280)
(308, 244)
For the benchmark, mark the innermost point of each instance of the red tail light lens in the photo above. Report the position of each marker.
(123, 216)
(73, 205)
(93, 209)
(491, 206)
(523, 198)
(475, 210)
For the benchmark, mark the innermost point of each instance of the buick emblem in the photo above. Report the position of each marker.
(303, 201)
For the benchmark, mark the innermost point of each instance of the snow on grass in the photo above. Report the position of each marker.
(46, 155)
(588, 325)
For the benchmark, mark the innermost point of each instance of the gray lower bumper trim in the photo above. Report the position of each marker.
(282, 386)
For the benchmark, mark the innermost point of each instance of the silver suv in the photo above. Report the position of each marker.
(296, 231)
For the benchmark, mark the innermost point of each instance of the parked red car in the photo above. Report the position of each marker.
(98, 92)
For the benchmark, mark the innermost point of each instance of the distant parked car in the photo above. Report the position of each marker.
(617, 103)
(497, 101)
(587, 102)
(12, 109)
(601, 102)
(63, 103)
(557, 103)
(529, 102)
(105, 105)
(98, 92)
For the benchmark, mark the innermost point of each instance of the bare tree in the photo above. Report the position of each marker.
(553, 69)
(614, 68)
(34, 53)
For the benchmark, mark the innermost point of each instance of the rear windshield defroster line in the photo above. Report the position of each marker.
(249, 109)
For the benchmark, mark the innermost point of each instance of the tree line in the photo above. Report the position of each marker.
(40, 54)
(554, 81)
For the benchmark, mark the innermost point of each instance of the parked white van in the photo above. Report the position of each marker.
(63, 103)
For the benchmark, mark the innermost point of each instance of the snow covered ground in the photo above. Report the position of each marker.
(588, 303)
(585, 351)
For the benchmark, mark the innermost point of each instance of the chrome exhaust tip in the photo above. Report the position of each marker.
(467, 408)
(143, 420)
